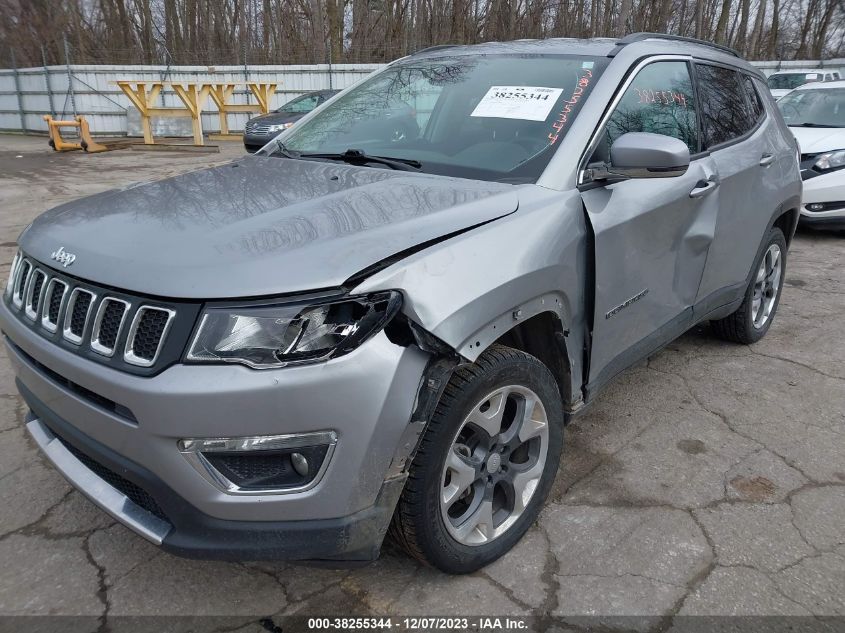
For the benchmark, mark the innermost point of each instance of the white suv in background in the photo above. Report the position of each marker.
(816, 115)
(781, 82)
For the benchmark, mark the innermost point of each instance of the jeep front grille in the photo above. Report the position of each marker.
(94, 319)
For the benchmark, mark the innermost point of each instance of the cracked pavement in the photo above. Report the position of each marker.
(709, 480)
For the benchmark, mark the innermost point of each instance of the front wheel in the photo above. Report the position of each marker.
(752, 319)
(485, 463)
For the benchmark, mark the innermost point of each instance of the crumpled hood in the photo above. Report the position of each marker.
(258, 226)
(815, 140)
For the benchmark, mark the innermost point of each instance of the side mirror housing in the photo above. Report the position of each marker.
(646, 155)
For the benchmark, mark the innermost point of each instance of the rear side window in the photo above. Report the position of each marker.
(755, 105)
(659, 100)
(724, 110)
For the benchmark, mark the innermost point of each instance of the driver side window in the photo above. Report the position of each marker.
(659, 100)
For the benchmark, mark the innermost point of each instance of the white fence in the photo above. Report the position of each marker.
(767, 68)
(27, 94)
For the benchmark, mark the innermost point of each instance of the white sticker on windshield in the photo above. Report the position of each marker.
(517, 102)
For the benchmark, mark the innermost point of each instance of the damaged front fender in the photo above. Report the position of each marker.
(470, 289)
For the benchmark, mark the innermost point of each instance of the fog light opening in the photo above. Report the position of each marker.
(274, 464)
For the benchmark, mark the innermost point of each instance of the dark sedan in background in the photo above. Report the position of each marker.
(259, 130)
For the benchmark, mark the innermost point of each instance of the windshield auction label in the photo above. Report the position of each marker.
(517, 102)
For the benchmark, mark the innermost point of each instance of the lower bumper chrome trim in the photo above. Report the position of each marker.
(96, 489)
(193, 448)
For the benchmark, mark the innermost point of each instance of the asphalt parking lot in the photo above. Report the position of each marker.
(709, 480)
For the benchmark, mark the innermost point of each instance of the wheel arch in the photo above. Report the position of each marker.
(543, 336)
(787, 221)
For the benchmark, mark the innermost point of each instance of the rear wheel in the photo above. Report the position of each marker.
(485, 464)
(752, 319)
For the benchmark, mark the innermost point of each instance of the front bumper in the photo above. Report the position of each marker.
(366, 397)
(254, 142)
(181, 529)
(826, 189)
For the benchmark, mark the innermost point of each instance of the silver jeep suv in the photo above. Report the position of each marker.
(361, 331)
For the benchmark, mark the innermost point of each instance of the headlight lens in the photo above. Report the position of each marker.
(275, 336)
(280, 126)
(830, 160)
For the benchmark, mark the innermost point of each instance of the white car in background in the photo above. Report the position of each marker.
(781, 82)
(816, 115)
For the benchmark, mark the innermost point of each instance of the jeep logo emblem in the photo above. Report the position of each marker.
(63, 257)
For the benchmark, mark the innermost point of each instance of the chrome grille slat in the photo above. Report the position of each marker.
(147, 322)
(105, 333)
(20, 282)
(53, 306)
(76, 305)
(257, 128)
(35, 287)
(13, 273)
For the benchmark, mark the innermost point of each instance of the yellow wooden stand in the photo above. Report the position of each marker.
(85, 141)
(194, 95)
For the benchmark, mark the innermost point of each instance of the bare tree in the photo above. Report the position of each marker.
(318, 31)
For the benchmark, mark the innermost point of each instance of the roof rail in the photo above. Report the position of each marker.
(639, 37)
(429, 49)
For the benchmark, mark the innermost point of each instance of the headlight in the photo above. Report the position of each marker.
(275, 336)
(830, 160)
(280, 126)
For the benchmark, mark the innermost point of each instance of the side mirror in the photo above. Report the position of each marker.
(646, 155)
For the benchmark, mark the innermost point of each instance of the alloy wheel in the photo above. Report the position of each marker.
(494, 465)
(766, 286)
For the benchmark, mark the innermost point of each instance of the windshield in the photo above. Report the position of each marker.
(814, 108)
(788, 81)
(301, 105)
(490, 117)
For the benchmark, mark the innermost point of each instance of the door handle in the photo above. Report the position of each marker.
(703, 187)
(766, 160)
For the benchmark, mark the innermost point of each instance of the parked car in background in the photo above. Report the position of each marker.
(783, 81)
(259, 130)
(373, 327)
(816, 115)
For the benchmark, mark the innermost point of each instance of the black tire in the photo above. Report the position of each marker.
(738, 327)
(418, 526)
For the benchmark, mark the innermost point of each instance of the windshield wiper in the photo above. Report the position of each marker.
(813, 125)
(284, 151)
(356, 156)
